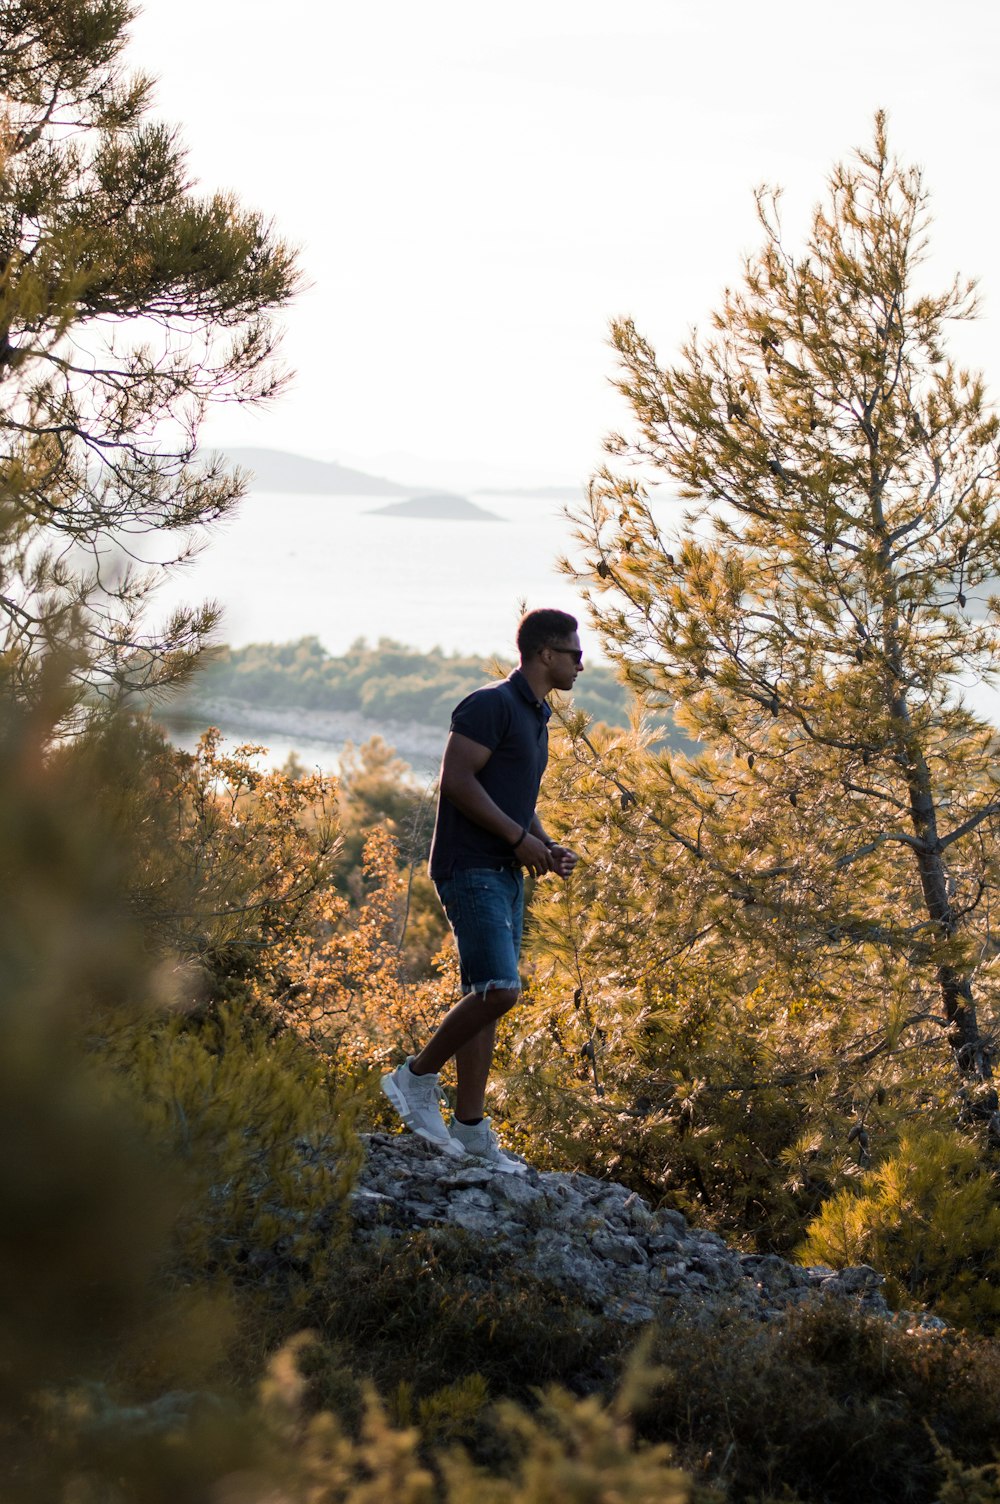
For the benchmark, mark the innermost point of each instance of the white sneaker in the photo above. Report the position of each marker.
(479, 1140)
(417, 1099)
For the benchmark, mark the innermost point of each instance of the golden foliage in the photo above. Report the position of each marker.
(812, 613)
(251, 853)
(347, 990)
(579, 1451)
(674, 1038)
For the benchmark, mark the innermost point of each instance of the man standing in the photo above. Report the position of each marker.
(487, 833)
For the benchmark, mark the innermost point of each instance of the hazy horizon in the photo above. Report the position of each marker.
(476, 195)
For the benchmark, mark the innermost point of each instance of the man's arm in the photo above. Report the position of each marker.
(537, 829)
(463, 759)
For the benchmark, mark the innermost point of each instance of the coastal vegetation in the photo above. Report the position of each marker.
(765, 998)
(385, 681)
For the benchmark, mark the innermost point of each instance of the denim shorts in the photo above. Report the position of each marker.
(485, 908)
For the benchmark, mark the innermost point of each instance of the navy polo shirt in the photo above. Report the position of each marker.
(509, 719)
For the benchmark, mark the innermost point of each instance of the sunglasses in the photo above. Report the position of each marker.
(575, 653)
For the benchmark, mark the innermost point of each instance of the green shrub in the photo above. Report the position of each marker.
(386, 681)
(968, 1485)
(439, 1305)
(576, 1451)
(88, 1201)
(928, 1216)
(658, 1106)
(833, 1407)
(262, 1141)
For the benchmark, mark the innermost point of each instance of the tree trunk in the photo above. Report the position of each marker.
(972, 1054)
(971, 1050)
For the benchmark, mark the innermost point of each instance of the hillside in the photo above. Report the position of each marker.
(279, 470)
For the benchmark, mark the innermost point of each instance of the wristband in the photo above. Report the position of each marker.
(549, 843)
(515, 844)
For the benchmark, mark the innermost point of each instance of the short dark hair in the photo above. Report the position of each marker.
(539, 629)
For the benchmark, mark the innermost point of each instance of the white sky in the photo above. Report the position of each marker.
(477, 190)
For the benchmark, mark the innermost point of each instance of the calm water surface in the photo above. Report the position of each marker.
(294, 566)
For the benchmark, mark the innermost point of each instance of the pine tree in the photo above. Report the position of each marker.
(814, 612)
(128, 305)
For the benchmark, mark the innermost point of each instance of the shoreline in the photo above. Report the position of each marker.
(419, 745)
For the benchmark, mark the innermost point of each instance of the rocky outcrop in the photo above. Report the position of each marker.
(592, 1239)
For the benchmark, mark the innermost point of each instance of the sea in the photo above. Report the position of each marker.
(288, 566)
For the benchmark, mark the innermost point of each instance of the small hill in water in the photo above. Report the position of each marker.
(438, 504)
(277, 470)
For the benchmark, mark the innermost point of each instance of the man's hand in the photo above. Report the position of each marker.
(534, 855)
(563, 860)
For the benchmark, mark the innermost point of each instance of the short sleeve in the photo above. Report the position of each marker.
(483, 716)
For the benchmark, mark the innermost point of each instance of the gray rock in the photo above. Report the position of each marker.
(472, 1196)
(663, 1241)
(632, 1312)
(472, 1218)
(369, 1208)
(468, 1175)
(859, 1279)
(92, 1411)
(620, 1250)
(518, 1190)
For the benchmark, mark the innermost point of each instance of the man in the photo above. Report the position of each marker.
(487, 833)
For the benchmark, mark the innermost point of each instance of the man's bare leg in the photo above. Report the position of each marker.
(467, 1031)
(472, 1066)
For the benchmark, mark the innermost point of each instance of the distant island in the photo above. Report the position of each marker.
(437, 504)
(278, 470)
(296, 474)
